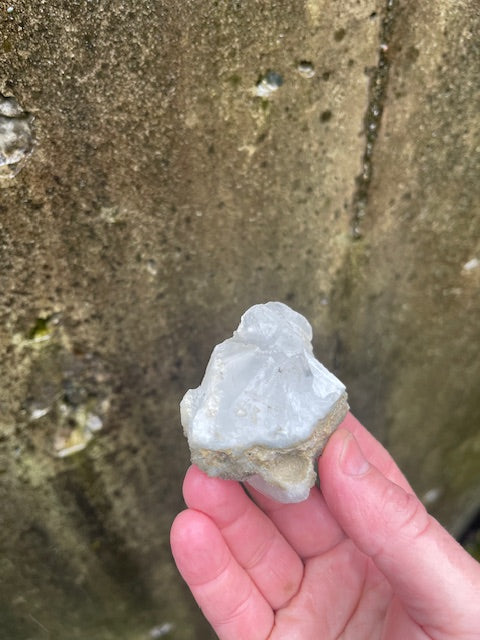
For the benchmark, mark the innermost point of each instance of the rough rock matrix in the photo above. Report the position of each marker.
(266, 406)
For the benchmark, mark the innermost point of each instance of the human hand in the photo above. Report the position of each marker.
(360, 559)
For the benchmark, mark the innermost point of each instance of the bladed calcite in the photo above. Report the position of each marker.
(265, 407)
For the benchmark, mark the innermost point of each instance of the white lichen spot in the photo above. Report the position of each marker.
(472, 264)
(77, 428)
(37, 410)
(110, 214)
(67, 442)
(152, 267)
(305, 69)
(249, 149)
(161, 630)
(16, 136)
(431, 496)
(267, 85)
(93, 422)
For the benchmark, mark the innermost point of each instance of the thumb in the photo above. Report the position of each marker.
(436, 580)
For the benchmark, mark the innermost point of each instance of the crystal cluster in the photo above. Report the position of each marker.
(265, 407)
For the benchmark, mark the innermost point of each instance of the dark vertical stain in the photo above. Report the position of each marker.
(377, 93)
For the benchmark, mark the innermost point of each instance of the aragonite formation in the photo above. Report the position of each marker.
(265, 407)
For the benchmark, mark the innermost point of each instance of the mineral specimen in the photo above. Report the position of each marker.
(265, 407)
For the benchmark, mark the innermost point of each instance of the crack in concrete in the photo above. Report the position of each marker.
(379, 76)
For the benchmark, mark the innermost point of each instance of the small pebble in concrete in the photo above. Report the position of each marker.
(161, 630)
(16, 137)
(431, 496)
(472, 264)
(267, 85)
(305, 69)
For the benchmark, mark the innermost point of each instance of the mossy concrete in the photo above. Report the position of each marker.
(162, 198)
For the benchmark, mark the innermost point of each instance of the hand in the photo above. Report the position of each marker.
(360, 559)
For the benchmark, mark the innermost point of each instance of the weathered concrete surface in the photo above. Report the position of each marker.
(162, 198)
(408, 302)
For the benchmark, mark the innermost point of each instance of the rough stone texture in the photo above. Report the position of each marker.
(406, 304)
(162, 198)
(285, 474)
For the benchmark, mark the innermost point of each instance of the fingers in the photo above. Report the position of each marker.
(253, 539)
(308, 526)
(227, 596)
(435, 578)
(330, 595)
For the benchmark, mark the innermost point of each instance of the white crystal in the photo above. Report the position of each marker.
(266, 406)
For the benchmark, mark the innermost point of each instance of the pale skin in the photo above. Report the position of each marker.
(360, 559)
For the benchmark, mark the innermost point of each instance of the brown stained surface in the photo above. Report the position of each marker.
(410, 357)
(161, 200)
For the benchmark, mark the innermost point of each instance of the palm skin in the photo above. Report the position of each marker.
(360, 559)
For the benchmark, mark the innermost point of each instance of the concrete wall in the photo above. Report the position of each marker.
(150, 195)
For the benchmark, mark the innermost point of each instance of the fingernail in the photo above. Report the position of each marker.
(352, 460)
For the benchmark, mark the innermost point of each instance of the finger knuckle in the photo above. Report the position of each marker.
(403, 514)
(237, 610)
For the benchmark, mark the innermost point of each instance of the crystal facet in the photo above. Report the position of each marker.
(265, 407)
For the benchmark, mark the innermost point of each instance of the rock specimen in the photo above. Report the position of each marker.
(266, 406)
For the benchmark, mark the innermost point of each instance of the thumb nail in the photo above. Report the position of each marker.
(352, 460)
